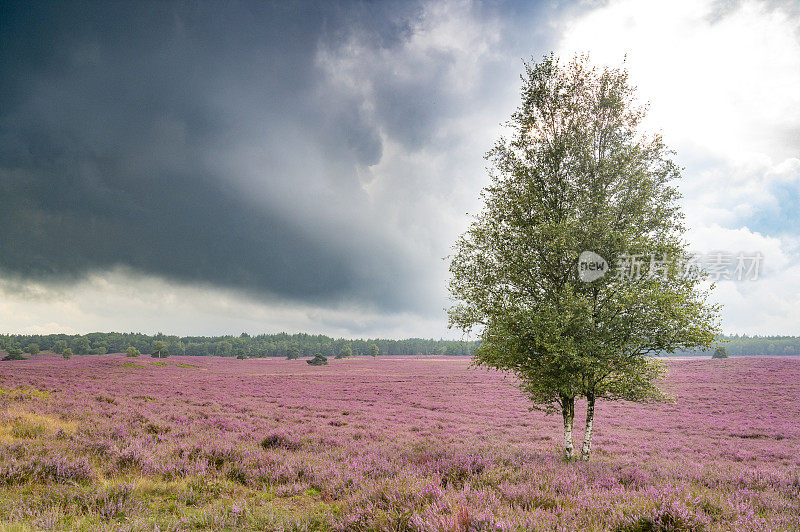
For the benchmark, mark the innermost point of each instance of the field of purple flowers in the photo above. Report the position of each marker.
(116, 443)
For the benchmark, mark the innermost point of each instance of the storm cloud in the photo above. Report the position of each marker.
(201, 143)
(208, 167)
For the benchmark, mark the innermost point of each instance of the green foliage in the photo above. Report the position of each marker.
(32, 349)
(224, 349)
(66, 354)
(318, 360)
(59, 346)
(373, 349)
(80, 345)
(754, 346)
(158, 349)
(132, 352)
(293, 353)
(262, 345)
(14, 356)
(720, 352)
(346, 351)
(576, 175)
(13, 349)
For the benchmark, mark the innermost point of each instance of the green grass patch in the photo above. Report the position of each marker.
(23, 392)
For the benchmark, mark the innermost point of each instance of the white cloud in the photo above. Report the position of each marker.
(767, 306)
(722, 88)
(715, 238)
(123, 300)
(724, 83)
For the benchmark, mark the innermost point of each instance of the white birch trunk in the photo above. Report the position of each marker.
(587, 435)
(568, 413)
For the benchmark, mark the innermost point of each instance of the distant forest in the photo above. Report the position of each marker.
(754, 345)
(263, 345)
(283, 344)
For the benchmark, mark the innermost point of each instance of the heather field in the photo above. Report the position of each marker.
(109, 442)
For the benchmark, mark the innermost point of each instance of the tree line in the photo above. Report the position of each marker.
(244, 345)
(306, 345)
(745, 345)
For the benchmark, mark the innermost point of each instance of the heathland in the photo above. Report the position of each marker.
(386, 443)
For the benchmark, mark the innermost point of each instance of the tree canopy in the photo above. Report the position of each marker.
(576, 178)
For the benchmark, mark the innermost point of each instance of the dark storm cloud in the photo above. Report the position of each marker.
(108, 114)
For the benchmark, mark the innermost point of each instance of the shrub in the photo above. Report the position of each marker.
(14, 356)
(32, 349)
(280, 441)
(318, 360)
(720, 352)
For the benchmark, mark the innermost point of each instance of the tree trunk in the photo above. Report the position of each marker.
(587, 435)
(568, 412)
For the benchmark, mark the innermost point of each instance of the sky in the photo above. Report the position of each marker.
(216, 168)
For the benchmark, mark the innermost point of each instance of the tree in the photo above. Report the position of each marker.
(14, 349)
(132, 352)
(240, 348)
(577, 176)
(374, 349)
(224, 349)
(158, 349)
(345, 352)
(720, 352)
(318, 360)
(80, 345)
(176, 348)
(59, 346)
(293, 353)
(32, 349)
(66, 354)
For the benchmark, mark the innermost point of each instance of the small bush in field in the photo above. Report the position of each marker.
(318, 360)
(280, 441)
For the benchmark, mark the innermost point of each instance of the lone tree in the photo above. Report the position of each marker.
(720, 352)
(80, 345)
(158, 349)
(132, 352)
(577, 176)
(345, 352)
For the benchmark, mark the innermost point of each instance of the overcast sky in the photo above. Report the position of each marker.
(213, 168)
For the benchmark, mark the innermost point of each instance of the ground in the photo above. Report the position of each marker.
(392, 443)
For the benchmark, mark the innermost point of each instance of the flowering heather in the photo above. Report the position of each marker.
(107, 442)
